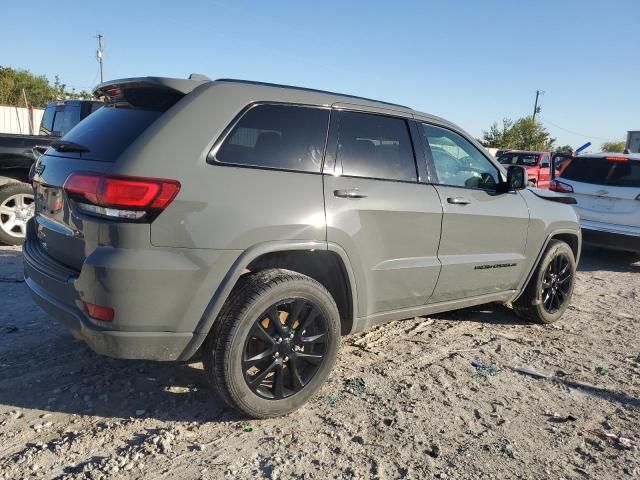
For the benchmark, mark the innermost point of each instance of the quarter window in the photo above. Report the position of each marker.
(375, 146)
(278, 136)
(457, 162)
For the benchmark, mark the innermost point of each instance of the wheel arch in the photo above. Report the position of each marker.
(571, 237)
(12, 175)
(326, 263)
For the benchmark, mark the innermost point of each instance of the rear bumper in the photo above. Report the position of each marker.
(611, 240)
(156, 309)
(162, 346)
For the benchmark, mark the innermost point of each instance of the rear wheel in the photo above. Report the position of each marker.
(549, 291)
(274, 343)
(16, 208)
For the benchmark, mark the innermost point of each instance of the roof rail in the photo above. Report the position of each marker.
(265, 84)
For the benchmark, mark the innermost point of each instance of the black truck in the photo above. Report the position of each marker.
(19, 152)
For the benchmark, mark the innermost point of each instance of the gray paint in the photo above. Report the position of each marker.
(405, 249)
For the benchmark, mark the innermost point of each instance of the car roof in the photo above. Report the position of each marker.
(186, 86)
(304, 89)
(307, 95)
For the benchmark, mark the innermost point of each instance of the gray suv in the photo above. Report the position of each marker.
(251, 225)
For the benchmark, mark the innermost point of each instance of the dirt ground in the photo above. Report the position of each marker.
(423, 398)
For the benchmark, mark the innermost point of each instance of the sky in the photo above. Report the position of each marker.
(472, 62)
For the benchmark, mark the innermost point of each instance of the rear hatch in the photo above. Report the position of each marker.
(607, 188)
(66, 232)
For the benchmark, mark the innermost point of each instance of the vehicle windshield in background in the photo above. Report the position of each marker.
(526, 159)
(620, 172)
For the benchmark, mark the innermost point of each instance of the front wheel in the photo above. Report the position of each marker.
(549, 290)
(274, 343)
(16, 208)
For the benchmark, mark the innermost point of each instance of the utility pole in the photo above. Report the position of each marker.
(99, 55)
(536, 108)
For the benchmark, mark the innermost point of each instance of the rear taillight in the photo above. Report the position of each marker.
(128, 198)
(104, 314)
(561, 187)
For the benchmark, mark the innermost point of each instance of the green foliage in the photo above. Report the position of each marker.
(613, 147)
(36, 87)
(565, 149)
(523, 134)
(498, 136)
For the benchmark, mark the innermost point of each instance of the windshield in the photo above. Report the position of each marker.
(526, 159)
(604, 172)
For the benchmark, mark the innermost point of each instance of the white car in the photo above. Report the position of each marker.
(607, 189)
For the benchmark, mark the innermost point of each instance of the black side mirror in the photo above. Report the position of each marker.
(516, 178)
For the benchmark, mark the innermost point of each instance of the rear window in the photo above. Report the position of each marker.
(603, 172)
(278, 136)
(108, 132)
(525, 159)
(115, 125)
(66, 118)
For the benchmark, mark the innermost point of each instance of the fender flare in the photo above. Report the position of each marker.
(222, 292)
(550, 236)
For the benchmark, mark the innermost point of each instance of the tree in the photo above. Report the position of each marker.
(565, 149)
(37, 89)
(496, 136)
(614, 146)
(523, 134)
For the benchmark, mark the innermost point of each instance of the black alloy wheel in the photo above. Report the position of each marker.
(285, 348)
(556, 284)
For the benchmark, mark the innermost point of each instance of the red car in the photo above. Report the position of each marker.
(538, 165)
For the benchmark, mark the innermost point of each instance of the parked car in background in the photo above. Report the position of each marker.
(253, 224)
(607, 189)
(17, 156)
(538, 165)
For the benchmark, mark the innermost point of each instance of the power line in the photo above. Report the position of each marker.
(583, 135)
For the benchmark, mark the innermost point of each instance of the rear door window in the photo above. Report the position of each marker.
(375, 146)
(601, 171)
(287, 137)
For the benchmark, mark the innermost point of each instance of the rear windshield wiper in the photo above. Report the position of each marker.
(66, 146)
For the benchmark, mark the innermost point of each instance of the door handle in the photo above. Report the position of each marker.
(349, 193)
(458, 201)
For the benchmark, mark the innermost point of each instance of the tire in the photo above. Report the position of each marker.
(531, 305)
(16, 207)
(302, 306)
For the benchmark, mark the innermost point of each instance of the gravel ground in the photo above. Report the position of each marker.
(429, 397)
